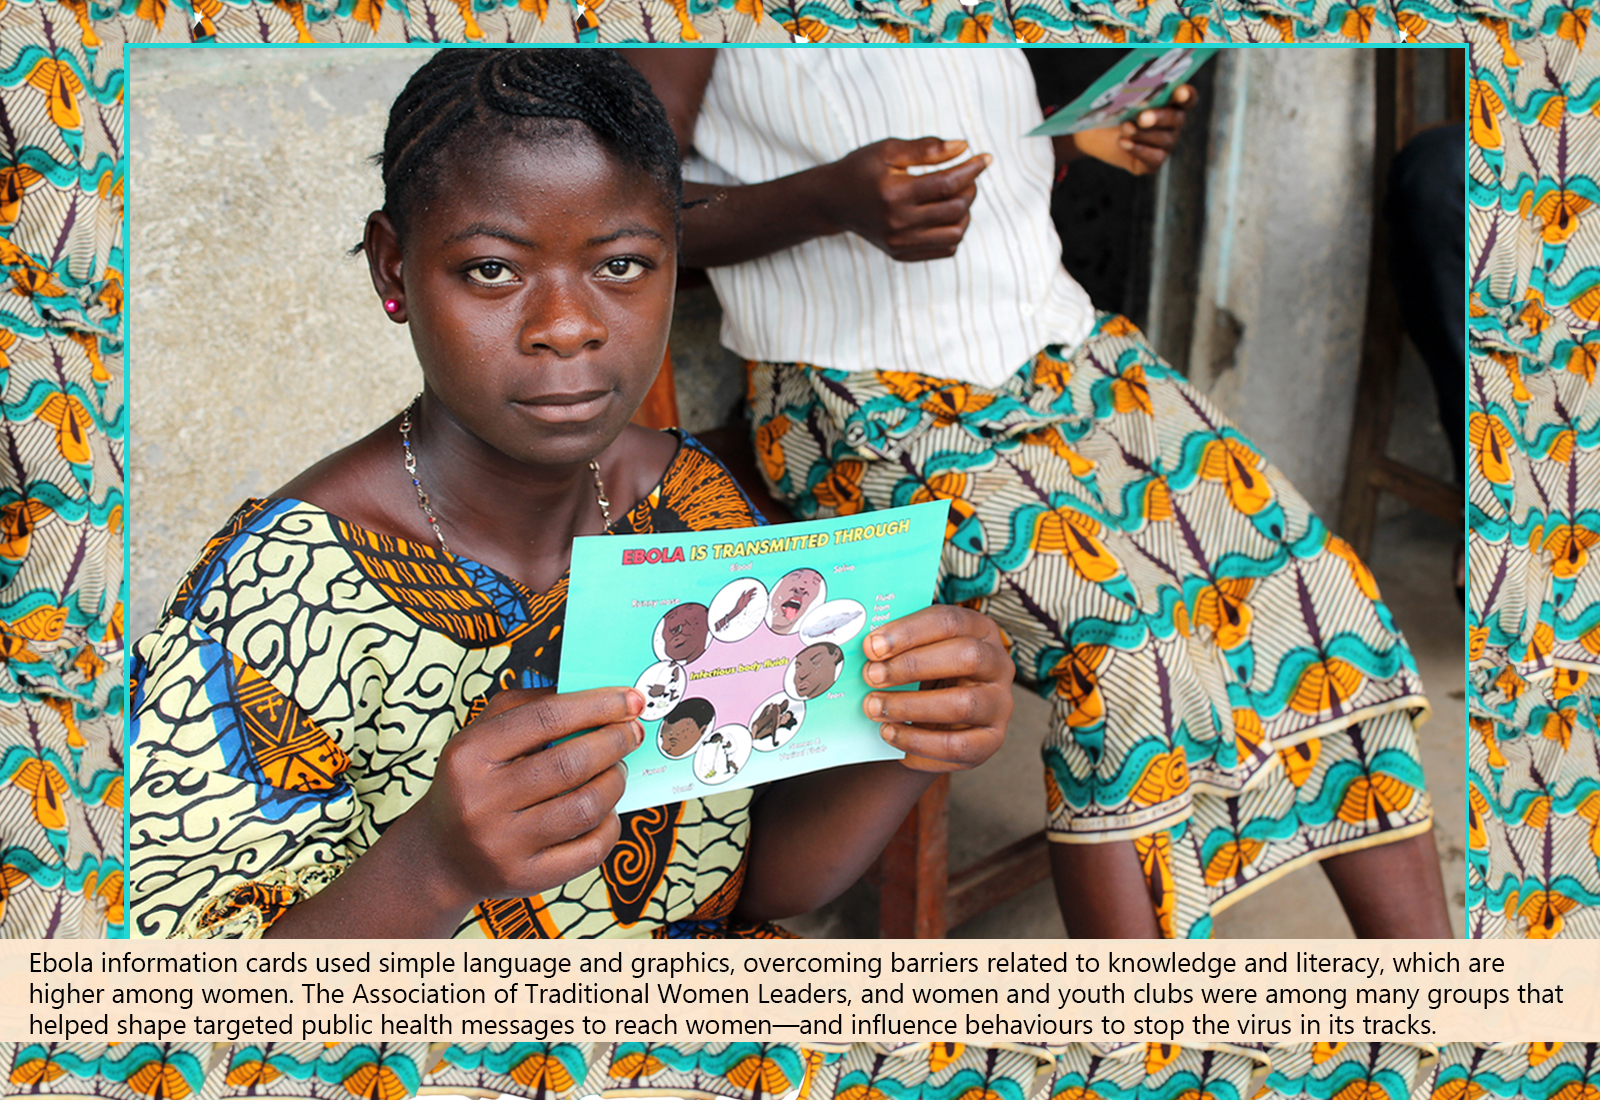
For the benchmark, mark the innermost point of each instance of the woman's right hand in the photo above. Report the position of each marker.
(871, 193)
(511, 813)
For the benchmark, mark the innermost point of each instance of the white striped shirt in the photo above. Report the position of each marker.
(838, 301)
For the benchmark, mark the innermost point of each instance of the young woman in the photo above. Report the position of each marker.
(345, 725)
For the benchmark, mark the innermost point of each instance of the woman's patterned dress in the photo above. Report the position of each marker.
(295, 697)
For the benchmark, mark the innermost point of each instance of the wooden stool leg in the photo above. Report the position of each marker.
(915, 870)
(1381, 332)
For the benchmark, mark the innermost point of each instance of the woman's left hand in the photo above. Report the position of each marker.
(1142, 145)
(958, 718)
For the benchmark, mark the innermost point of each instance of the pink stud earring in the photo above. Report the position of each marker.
(391, 305)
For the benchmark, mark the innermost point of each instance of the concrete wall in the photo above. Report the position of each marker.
(1283, 284)
(258, 345)
(1283, 264)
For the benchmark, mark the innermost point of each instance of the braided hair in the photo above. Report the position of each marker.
(466, 101)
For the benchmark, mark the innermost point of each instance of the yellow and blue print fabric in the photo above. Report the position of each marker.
(295, 697)
(1344, 1071)
(1097, 22)
(717, 1071)
(1228, 689)
(1533, 859)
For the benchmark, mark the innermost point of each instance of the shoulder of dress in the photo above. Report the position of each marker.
(283, 561)
(246, 531)
(697, 493)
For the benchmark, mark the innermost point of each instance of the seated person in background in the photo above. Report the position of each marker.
(1230, 697)
(1426, 211)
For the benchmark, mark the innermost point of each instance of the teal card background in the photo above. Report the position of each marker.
(617, 622)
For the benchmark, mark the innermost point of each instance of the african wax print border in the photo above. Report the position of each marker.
(1533, 415)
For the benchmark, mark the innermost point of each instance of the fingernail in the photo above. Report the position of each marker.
(877, 646)
(877, 673)
(988, 159)
(634, 701)
(1125, 143)
(1147, 119)
(886, 731)
(638, 733)
(876, 705)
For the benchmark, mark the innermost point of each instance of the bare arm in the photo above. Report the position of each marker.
(869, 192)
(814, 835)
(391, 892)
(679, 79)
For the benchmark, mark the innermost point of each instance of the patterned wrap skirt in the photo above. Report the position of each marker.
(766, 1071)
(1227, 688)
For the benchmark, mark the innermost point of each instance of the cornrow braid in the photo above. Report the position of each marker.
(478, 97)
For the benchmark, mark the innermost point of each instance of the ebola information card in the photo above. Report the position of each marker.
(1146, 77)
(746, 644)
